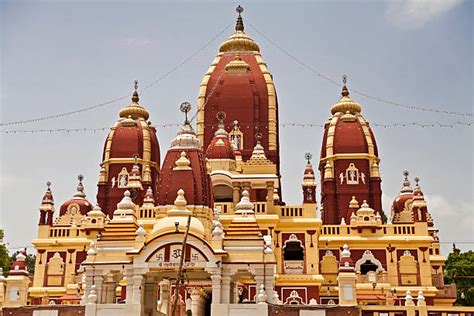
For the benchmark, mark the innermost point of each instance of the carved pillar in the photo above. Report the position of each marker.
(150, 298)
(129, 288)
(195, 301)
(137, 288)
(163, 303)
(216, 288)
(99, 282)
(270, 207)
(87, 285)
(236, 193)
(269, 283)
(225, 293)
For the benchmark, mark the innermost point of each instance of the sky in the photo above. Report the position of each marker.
(61, 56)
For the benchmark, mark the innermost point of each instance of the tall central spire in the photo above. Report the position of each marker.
(239, 26)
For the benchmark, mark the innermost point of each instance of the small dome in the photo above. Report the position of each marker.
(405, 198)
(184, 167)
(177, 219)
(220, 146)
(134, 110)
(78, 203)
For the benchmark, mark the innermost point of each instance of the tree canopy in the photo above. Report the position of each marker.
(460, 270)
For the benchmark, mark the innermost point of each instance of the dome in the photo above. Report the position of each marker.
(78, 203)
(177, 219)
(131, 157)
(403, 201)
(220, 146)
(239, 83)
(184, 167)
(349, 163)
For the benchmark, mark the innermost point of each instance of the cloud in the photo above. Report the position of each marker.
(413, 14)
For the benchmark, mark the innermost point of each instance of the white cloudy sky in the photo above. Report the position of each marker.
(59, 56)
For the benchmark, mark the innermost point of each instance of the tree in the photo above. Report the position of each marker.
(4, 257)
(460, 270)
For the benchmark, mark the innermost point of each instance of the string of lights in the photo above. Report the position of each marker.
(283, 125)
(99, 105)
(363, 94)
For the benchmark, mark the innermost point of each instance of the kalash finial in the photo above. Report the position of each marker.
(258, 137)
(221, 117)
(185, 107)
(239, 26)
(406, 174)
(135, 97)
(345, 91)
(308, 157)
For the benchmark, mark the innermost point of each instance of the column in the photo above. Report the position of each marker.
(216, 288)
(99, 282)
(163, 303)
(150, 300)
(225, 293)
(269, 283)
(129, 290)
(195, 301)
(87, 286)
(270, 207)
(236, 193)
(137, 289)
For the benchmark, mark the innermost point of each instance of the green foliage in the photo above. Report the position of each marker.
(460, 270)
(4, 257)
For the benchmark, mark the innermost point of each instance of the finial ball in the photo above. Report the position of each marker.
(48, 184)
(239, 9)
(406, 173)
(80, 177)
(308, 156)
(344, 79)
(185, 107)
(220, 116)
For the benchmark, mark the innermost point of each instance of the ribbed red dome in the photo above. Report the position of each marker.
(132, 140)
(82, 205)
(194, 180)
(220, 148)
(400, 202)
(349, 138)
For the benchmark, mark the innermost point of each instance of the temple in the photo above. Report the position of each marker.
(206, 231)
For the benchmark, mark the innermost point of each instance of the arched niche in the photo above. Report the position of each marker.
(368, 263)
(293, 249)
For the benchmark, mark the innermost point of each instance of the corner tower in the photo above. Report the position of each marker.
(239, 83)
(349, 162)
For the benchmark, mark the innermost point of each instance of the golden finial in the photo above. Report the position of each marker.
(135, 97)
(345, 91)
(239, 26)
